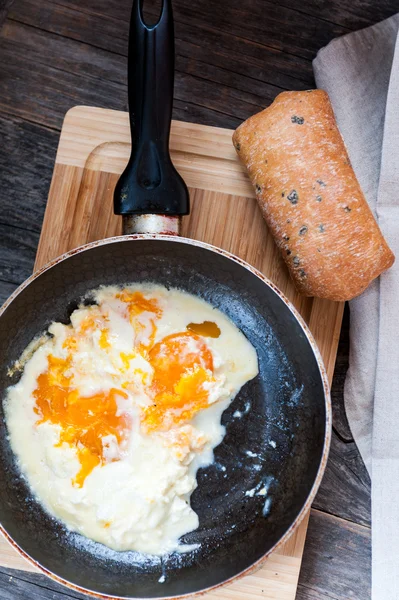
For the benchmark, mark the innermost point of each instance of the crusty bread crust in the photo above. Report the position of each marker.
(310, 197)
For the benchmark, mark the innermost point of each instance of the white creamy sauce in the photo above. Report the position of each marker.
(138, 497)
(251, 454)
(262, 489)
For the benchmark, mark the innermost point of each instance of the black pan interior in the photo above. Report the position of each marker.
(280, 417)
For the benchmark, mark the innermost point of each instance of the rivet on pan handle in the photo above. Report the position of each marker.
(150, 193)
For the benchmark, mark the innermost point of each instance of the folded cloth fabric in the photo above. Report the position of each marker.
(360, 72)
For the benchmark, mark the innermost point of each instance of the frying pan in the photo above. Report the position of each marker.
(277, 428)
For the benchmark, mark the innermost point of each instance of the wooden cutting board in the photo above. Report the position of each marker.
(93, 150)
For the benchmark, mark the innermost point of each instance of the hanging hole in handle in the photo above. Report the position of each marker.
(151, 11)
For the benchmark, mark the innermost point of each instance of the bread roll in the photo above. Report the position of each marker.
(310, 197)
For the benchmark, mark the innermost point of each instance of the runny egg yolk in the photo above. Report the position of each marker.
(84, 421)
(137, 304)
(182, 364)
(182, 367)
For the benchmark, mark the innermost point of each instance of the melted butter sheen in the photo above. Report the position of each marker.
(182, 365)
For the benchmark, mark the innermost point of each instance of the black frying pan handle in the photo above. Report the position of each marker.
(150, 184)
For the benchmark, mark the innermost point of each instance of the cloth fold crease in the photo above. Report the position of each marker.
(360, 72)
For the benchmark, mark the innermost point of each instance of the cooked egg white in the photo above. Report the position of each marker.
(116, 411)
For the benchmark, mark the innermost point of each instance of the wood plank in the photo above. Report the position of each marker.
(4, 7)
(234, 54)
(27, 153)
(198, 79)
(215, 88)
(18, 584)
(279, 30)
(6, 289)
(352, 15)
(17, 253)
(71, 56)
(53, 92)
(345, 489)
(359, 13)
(337, 560)
(206, 88)
(11, 559)
(340, 422)
(186, 138)
(92, 28)
(26, 157)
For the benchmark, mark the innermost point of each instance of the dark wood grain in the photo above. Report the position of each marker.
(22, 585)
(55, 89)
(235, 18)
(6, 289)
(52, 90)
(233, 57)
(17, 253)
(337, 560)
(26, 165)
(200, 41)
(5, 6)
(341, 425)
(353, 15)
(345, 489)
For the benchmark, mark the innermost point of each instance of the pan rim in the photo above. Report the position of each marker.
(327, 403)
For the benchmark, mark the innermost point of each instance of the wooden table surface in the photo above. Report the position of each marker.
(232, 58)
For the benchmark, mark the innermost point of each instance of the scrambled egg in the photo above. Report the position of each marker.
(116, 411)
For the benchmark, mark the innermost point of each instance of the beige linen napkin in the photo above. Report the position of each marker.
(360, 71)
